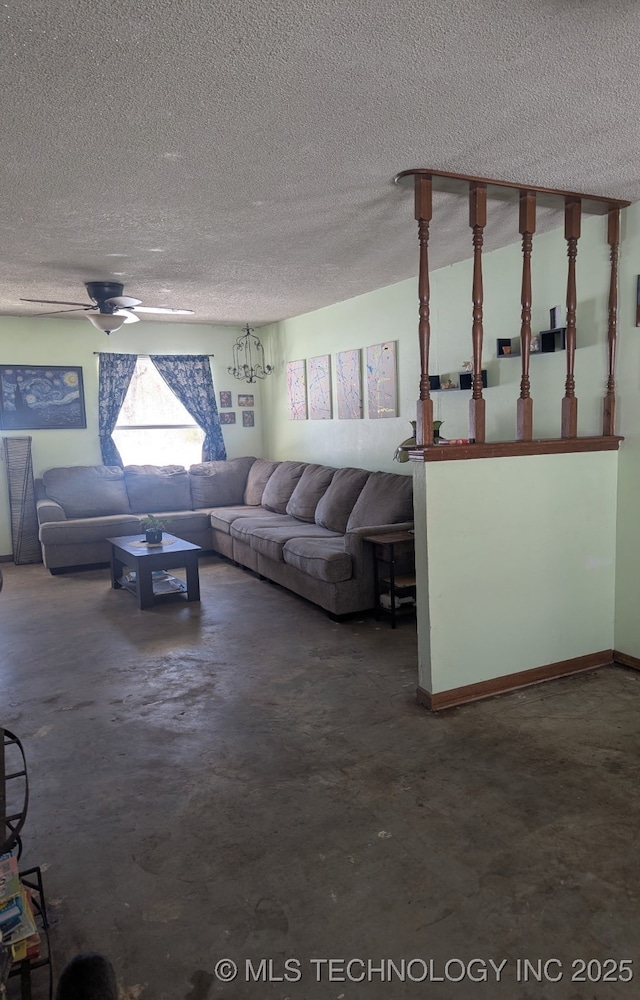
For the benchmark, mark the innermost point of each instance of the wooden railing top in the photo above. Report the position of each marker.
(509, 449)
(444, 181)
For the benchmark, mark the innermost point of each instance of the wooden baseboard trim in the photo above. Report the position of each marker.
(511, 682)
(626, 660)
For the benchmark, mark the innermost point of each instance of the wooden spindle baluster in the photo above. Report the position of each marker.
(609, 412)
(524, 418)
(423, 212)
(572, 209)
(477, 221)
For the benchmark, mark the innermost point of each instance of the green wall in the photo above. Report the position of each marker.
(627, 635)
(520, 564)
(53, 341)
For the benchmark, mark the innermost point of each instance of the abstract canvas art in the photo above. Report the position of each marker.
(297, 390)
(349, 385)
(381, 380)
(319, 387)
(41, 398)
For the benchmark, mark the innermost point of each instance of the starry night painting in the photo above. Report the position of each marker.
(41, 398)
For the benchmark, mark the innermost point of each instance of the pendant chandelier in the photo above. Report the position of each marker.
(248, 358)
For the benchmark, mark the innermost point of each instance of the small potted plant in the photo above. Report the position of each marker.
(153, 527)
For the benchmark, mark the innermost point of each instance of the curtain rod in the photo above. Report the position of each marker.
(193, 355)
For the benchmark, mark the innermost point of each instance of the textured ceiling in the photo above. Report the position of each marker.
(237, 158)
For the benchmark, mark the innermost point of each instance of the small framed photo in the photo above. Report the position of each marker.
(225, 399)
(555, 317)
(227, 418)
(248, 419)
(245, 400)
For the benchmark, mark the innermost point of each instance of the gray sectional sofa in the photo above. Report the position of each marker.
(299, 524)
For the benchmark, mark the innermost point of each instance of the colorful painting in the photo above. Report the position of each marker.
(245, 400)
(349, 385)
(248, 419)
(41, 398)
(226, 399)
(227, 418)
(319, 386)
(297, 390)
(381, 380)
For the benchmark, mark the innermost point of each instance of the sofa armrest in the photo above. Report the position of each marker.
(49, 510)
(361, 552)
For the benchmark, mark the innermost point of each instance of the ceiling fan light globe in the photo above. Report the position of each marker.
(106, 322)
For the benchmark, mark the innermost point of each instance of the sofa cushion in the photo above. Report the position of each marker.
(243, 527)
(259, 474)
(219, 484)
(91, 529)
(311, 488)
(88, 490)
(386, 498)
(335, 506)
(325, 558)
(157, 487)
(177, 521)
(223, 517)
(281, 485)
(270, 540)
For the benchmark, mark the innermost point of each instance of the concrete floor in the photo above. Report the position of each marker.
(246, 779)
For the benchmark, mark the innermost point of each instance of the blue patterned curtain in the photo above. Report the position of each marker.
(189, 376)
(114, 376)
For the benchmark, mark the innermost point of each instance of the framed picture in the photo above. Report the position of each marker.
(43, 397)
(349, 385)
(319, 384)
(227, 418)
(381, 380)
(248, 419)
(297, 390)
(225, 399)
(245, 400)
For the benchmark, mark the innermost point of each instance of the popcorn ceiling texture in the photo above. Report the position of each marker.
(237, 158)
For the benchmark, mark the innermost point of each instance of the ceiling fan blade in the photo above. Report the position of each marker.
(55, 302)
(56, 312)
(123, 301)
(127, 315)
(164, 309)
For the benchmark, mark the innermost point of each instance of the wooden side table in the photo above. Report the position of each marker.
(395, 553)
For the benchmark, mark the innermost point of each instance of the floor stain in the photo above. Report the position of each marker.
(200, 985)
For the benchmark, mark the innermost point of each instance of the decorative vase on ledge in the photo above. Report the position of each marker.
(403, 449)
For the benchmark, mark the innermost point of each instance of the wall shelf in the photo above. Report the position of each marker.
(546, 342)
(463, 381)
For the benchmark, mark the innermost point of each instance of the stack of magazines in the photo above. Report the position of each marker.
(19, 937)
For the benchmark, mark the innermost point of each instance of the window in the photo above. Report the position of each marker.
(153, 426)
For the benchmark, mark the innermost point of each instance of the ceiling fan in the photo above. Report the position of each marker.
(109, 308)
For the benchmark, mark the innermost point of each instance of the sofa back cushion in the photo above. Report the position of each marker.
(220, 484)
(88, 490)
(386, 498)
(157, 487)
(311, 487)
(281, 484)
(335, 506)
(259, 474)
